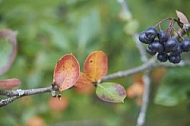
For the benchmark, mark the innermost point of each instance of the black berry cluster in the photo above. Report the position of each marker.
(166, 48)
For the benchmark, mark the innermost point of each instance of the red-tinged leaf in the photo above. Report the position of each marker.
(9, 83)
(111, 92)
(96, 65)
(182, 17)
(83, 81)
(66, 72)
(8, 49)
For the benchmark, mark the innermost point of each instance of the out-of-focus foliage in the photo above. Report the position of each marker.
(51, 28)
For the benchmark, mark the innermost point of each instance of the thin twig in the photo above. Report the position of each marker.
(20, 92)
(145, 99)
(183, 31)
(140, 48)
(16, 94)
(4, 102)
(151, 64)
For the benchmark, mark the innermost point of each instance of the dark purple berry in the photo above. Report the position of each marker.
(185, 45)
(157, 46)
(162, 57)
(174, 58)
(162, 36)
(143, 38)
(178, 50)
(150, 51)
(171, 44)
(151, 33)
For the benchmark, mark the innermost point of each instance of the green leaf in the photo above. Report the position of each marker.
(173, 88)
(57, 35)
(88, 27)
(111, 92)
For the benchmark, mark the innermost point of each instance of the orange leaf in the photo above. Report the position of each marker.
(66, 72)
(89, 89)
(9, 83)
(83, 81)
(96, 65)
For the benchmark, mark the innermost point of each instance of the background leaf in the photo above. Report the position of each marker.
(173, 91)
(8, 49)
(96, 65)
(58, 105)
(111, 92)
(66, 72)
(9, 83)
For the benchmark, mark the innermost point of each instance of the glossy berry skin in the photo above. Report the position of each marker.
(151, 33)
(150, 51)
(178, 50)
(144, 39)
(162, 57)
(185, 45)
(157, 46)
(174, 58)
(162, 36)
(171, 44)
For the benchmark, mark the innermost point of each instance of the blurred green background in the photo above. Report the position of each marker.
(48, 29)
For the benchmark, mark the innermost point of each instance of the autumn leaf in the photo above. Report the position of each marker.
(84, 85)
(111, 92)
(66, 72)
(182, 17)
(8, 49)
(85, 90)
(96, 65)
(9, 83)
(83, 81)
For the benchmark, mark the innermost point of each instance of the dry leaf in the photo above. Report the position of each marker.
(182, 17)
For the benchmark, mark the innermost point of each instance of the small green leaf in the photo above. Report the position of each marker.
(111, 92)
